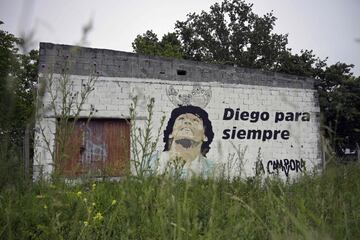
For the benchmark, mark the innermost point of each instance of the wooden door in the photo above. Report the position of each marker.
(99, 147)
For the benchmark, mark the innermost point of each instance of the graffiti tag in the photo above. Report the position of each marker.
(285, 165)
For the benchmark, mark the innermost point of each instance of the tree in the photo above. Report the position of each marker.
(339, 94)
(230, 33)
(24, 91)
(18, 74)
(8, 64)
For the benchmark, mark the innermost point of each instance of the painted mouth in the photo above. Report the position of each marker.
(186, 143)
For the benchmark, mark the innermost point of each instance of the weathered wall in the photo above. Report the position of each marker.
(277, 104)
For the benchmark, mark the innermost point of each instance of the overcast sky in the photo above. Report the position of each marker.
(329, 27)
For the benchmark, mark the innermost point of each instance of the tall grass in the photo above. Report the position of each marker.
(314, 207)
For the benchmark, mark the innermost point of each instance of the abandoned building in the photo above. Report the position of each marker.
(260, 121)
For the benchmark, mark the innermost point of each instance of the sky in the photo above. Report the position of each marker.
(328, 27)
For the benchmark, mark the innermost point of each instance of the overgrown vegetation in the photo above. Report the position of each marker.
(143, 142)
(325, 206)
(315, 207)
(66, 101)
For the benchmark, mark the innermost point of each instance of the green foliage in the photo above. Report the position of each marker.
(314, 207)
(143, 142)
(26, 78)
(303, 64)
(18, 75)
(339, 94)
(230, 33)
(148, 44)
(8, 65)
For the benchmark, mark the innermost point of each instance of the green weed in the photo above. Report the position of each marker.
(313, 207)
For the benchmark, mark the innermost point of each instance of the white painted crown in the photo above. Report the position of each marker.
(198, 96)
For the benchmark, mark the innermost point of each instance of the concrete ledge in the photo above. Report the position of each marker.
(77, 60)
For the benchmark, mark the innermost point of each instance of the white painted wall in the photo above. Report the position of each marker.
(112, 98)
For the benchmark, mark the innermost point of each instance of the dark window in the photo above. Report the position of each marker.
(181, 72)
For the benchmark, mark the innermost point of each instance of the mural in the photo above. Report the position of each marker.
(187, 136)
(189, 133)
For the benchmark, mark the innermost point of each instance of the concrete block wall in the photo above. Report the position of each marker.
(288, 105)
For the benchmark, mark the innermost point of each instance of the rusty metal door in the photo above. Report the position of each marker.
(99, 147)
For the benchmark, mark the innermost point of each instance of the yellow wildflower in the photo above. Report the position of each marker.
(45, 206)
(79, 193)
(98, 217)
(93, 186)
(86, 223)
(113, 202)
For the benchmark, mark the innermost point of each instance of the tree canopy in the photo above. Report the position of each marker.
(149, 44)
(339, 96)
(18, 75)
(231, 33)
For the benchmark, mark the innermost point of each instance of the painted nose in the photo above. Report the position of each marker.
(187, 122)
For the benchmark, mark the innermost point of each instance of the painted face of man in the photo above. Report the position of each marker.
(188, 126)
